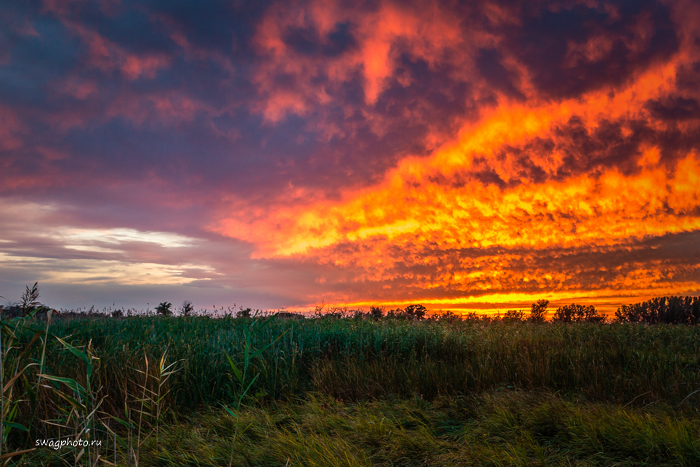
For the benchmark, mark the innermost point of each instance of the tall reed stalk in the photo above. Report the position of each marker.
(9, 400)
(242, 376)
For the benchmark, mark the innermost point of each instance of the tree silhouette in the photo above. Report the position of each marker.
(165, 309)
(538, 311)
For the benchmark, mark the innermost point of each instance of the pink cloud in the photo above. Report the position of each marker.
(429, 33)
(10, 127)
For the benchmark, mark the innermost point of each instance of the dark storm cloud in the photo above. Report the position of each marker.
(489, 63)
(431, 103)
(577, 48)
(614, 143)
(688, 76)
(607, 145)
(675, 108)
(308, 41)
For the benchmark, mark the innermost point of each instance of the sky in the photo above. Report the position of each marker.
(284, 154)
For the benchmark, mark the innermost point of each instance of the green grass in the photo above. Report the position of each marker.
(364, 392)
(363, 359)
(498, 428)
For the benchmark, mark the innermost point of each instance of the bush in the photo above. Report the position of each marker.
(411, 313)
(359, 314)
(538, 311)
(446, 316)
(669, 310)
(473, 317)
(416, 312)
(164, 309)
(376, 312)
(575, 313)
(186, 309)
(513, 316)
(396, 314)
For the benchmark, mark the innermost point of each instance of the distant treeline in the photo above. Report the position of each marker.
(666, 310)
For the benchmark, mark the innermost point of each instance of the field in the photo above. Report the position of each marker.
(350, 392)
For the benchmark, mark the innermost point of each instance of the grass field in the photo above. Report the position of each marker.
(201, 391)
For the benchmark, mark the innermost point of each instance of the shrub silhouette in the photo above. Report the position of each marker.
(359, 314)
(538, 311)
(669, 310)
(186, 309)
(164, 309)
(376, 312)
(446, 316)
(576, 313)
(513, 316)
(416, 312)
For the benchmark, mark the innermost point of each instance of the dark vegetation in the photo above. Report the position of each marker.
(355, 388)
(577, 314)
(670, 310)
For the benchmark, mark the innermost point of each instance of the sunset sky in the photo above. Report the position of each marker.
(462, 155)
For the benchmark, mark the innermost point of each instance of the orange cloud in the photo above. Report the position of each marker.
(421, 194)
(428, 209)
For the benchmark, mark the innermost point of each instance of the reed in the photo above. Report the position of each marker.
(364, 359)
(241, 362)
(495, 428)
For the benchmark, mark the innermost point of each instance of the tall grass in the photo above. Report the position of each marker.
(365, 359)
(498, 428)
(80, 374)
